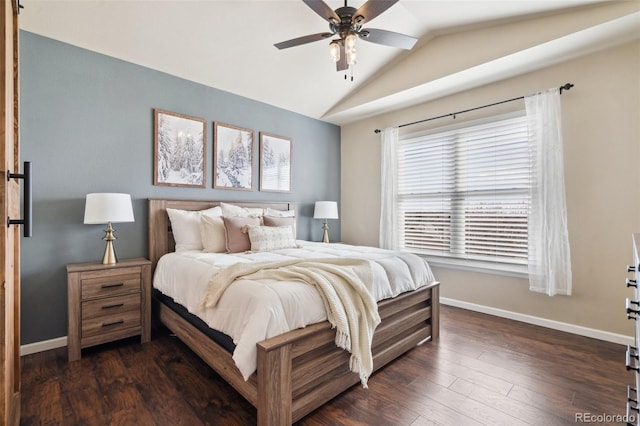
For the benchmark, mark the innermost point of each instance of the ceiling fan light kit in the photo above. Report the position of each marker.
(346, 22)
(334, 50)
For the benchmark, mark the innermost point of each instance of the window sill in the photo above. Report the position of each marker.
(482, 267)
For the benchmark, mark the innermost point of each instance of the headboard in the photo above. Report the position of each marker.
(160, 236)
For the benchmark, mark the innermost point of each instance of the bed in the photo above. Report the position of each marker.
(302, 369)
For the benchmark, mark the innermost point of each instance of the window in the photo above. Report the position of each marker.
(463, 193)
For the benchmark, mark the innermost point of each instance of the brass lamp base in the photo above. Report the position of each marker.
(109, 253)
(325, 235)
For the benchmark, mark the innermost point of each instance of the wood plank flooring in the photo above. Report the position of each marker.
(483, 370)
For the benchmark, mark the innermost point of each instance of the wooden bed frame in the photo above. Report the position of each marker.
(300, 370)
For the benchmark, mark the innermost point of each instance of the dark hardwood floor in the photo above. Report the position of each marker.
(483, 370)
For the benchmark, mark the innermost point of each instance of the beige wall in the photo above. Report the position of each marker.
(601, 127)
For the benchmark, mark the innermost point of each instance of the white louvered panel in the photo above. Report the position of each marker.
(463, 193)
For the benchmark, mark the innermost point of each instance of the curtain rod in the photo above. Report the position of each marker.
(566, 86)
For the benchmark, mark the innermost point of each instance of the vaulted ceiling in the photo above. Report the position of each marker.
(229, 45)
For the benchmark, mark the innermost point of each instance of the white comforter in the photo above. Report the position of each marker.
(252, 311)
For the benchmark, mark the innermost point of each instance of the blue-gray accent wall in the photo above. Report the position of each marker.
(86, 124)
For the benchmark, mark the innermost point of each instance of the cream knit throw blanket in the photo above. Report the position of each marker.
(342, 284)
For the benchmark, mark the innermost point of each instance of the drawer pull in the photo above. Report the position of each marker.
(631, 268)
(632, 353)
(632, 418)
(107, 324)
(632, 395)
(115, 305)
(632, 283)
(112, 285)
(631, 312)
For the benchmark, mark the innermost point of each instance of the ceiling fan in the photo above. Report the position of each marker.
(346, 23)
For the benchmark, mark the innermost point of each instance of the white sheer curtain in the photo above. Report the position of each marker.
(388, 217)
(549, 256)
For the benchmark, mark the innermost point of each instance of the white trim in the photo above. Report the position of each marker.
(45, 345)
(493, 268)
(529, 319)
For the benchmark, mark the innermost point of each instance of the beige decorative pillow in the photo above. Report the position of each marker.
(237, 239)
(213, 234)
(267, 238)
(213, 211)
(229, 210)
(279, 213)
(185, 225)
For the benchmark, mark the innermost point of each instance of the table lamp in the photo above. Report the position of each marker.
(108, 208)
(325, 210)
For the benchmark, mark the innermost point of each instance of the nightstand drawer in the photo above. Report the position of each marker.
(110, 285)
(110, 323)
(110, 306)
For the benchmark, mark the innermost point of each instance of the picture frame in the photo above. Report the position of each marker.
(180, 147)
(232, 157)
(275, 163)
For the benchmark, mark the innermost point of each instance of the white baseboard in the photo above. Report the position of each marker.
(529, 319)
(42, 346)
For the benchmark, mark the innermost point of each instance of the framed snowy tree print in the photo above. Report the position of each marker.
(232, 157)
(180, 144)
(275, 163)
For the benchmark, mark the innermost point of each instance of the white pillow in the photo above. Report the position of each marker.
(213, 235)
(231, 210)
(267, 238)
(185, 225)
(279, 213)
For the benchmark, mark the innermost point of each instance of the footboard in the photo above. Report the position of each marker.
(301, 370)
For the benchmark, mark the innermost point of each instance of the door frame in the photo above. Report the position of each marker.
(10, 236)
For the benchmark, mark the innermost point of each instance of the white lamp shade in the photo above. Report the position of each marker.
(326, 210)
(108, 207)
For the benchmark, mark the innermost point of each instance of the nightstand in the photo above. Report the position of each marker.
(107, 303)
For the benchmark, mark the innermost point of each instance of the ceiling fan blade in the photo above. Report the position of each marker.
(342, 65)
(302, 40)
(322, 9)
(371, 9)
(388, 38)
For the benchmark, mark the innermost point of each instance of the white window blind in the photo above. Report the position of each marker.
(463, 193)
